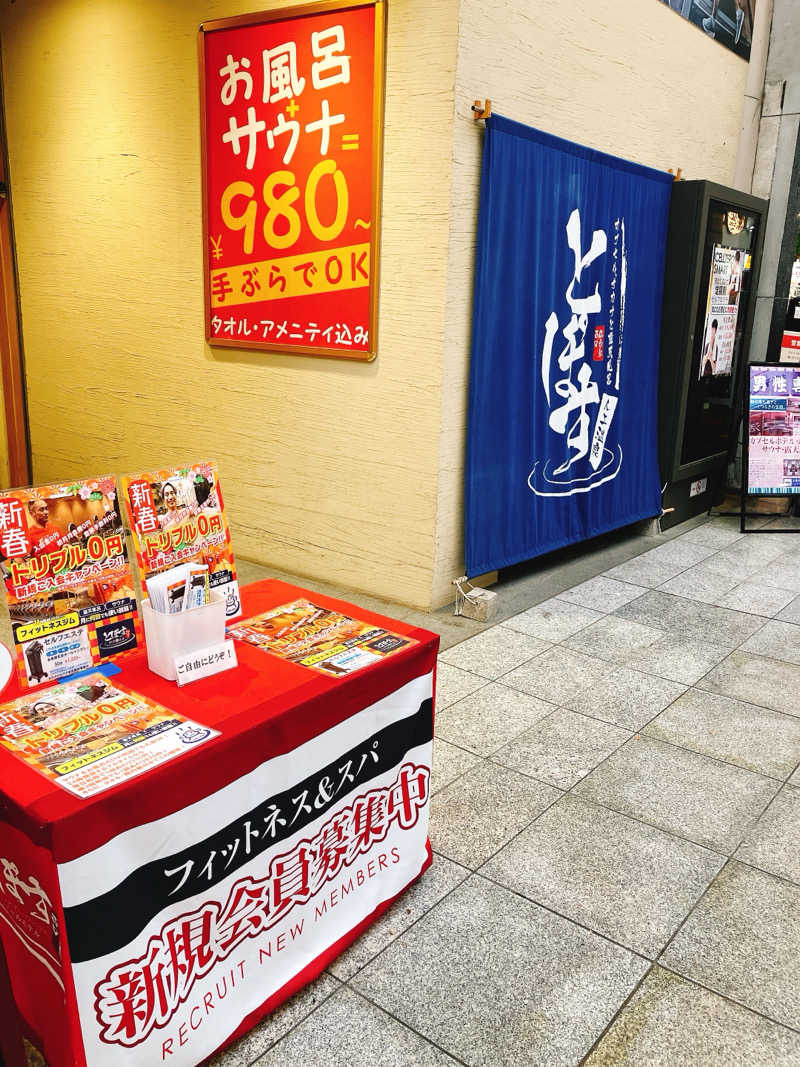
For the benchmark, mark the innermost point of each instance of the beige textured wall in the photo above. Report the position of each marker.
(626, 76)
(329, 468)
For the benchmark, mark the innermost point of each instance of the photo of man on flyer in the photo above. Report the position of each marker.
(735, 278)
(42, 535)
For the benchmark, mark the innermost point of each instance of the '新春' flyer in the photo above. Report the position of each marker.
(67, 578)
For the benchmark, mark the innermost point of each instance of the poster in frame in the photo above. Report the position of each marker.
(771, 420)
(291, 105)
(728, 22)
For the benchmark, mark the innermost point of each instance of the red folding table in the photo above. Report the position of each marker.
(160, 920)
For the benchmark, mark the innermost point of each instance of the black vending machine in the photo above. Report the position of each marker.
(710, 281)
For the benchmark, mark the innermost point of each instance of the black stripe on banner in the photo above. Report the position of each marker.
(109, 922)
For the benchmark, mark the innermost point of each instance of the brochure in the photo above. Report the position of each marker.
(319, 638)
(89, 735)
(179, 589)
(178, 516)
(67, 578)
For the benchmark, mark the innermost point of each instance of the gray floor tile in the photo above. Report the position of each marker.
(737, 566)
(682, 792)
(548, 580)
(494, 652)
(557, 674)
(753, 549)
(244, 1051)
(496, 980)
(732, 522)
(452, 629)
(703, 583)
(340, 1033)
(645, 572)
(731, 730)
(670, 1022)
(617, 876)
(452, 684)
(782, 573)
(791, 613)
(626, 697)
(678, 659)
(787, 539)
(489, 718)
(783, 522)
(691, 619)
(711, 535)
(476, 815)
(442, 876)
(773, 844)
(785, 531)
(758, 599)
(613, 639)
(661, 563)
(743, 940)
(602, 594)
(780, 640)
(770, 683)
(679, 553)
(614, 552)
(562, 748)
(554, 620)
(449, 763)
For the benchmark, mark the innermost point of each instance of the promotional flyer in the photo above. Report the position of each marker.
(722, 311)
(178, 516)
(88, 735)
(319, 638)
(774, 433)
(67, 578)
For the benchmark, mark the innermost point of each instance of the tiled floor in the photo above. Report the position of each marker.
(616, 828)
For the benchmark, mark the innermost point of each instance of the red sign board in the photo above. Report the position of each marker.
(599, 340)
(292, 104)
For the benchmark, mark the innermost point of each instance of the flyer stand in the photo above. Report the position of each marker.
(170, 636)
(771, 418)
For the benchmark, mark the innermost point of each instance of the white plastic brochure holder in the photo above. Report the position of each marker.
(168, 636)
